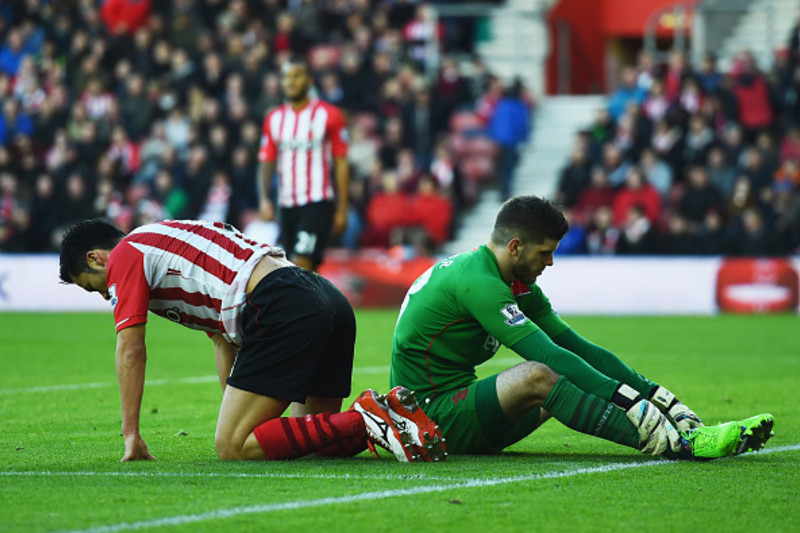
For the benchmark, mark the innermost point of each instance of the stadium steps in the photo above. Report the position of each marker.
(760, 32)
(519, 43)
(555, 123)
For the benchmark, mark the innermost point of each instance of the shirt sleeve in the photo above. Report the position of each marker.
(268, 150)
(337, 133)
(537, 307)
(492, 304)
(127, 286)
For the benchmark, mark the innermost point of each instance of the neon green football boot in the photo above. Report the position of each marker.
(723, 440)
(756, 431)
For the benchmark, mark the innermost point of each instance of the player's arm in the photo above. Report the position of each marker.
(267, 157)
(611, 365)
(224, 355)
(342, 170)
(337, 134)
(266, 169)
(131, 357)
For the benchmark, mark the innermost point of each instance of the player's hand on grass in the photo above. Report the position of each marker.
(136, 449)
(683, 417)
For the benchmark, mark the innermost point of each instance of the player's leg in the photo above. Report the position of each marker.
(531, 385)
(287, 327)
(242, 411)
(312, 234)
(332, 377)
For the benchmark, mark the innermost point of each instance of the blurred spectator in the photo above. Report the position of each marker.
(432, 211)
(636, 192)
(574, 241)
(721, 174)
(627, 92)
(11, 53)
(709, 77)
(602, 236)
(656, 172)
(386, 211)
(598, 194)
(638, 235)
(13, 218)
(422, 124)
(753, 237)
(753, 97)
(699, 196)
(509, 127)
(14, 122)
(574, 177)
(125, 16)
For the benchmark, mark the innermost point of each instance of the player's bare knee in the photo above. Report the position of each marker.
(227, 450)
(540, 378)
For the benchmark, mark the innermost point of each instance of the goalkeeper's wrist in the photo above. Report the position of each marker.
(663, 399)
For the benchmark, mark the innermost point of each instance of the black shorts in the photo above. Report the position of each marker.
(305, 230)
(299, 332)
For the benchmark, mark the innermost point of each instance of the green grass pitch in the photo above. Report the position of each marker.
(60, 443)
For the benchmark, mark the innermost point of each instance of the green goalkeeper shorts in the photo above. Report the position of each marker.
(473, 422)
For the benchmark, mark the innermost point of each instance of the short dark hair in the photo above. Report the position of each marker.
(530, 218)
(80, 238)
(296, 61)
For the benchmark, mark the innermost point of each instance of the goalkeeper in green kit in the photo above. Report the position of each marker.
(457, 314)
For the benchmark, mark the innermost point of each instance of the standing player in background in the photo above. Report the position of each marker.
(458, 313)
(282, 336)
(303, 139)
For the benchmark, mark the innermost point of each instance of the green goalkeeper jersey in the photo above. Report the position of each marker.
(456, 315)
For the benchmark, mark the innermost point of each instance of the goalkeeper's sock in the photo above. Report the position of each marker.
(292, 437)
(590, 414)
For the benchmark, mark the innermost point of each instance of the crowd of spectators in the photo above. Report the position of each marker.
(138, 110)
(686, 159)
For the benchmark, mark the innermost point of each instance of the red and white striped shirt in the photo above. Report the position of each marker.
(303, 144)
(191, 272)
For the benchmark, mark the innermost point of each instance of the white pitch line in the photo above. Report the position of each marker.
(504, 361)
(368, 496)
(270, 475)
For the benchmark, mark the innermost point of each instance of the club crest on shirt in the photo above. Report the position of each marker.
(112, 295)
(514, 317)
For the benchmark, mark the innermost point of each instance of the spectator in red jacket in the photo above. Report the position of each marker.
(125, 16)
(636, 192)
(431, 210)
(598, 194)
(752, 97)
(386, 211)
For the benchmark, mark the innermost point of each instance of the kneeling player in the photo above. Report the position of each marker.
(282, 336)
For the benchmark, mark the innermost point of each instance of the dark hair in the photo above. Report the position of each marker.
(295, 61)
(529, 218)
(80, 238)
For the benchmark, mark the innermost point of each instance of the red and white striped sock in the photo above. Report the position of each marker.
(330, 434)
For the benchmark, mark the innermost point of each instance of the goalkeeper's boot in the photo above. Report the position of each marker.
(427, 438)
(382, 429)
(756, 431)
(723, 440)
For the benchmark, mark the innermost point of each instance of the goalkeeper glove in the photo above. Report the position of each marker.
(684, 418)
(657, 434)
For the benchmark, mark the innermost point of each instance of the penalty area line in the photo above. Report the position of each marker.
(380, 495)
